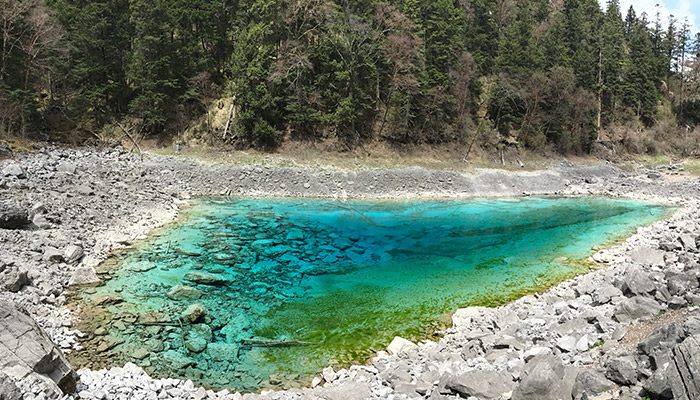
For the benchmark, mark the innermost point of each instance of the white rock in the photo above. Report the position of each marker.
(536, 351)
(582, 344)
(315, 382)
(328, 374)
(465, 316)
(400, 344)
(567, 343)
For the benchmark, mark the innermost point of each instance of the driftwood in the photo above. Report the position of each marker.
(272, 343)
(156, 323)
(228, 121)
(131, 138)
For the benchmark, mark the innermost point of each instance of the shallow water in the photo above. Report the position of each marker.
(344, 277)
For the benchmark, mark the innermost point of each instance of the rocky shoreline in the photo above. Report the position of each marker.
(63, 211)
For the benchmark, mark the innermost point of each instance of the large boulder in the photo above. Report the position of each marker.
(647, 256)
(14, 169)
(27, 354)
(13, 279)
(622, 370)
(590, 383)
(684, 373)
(399, 345)
(637, 282)
(543, 380)
(73, 254)
(636, 307)
(481, 384)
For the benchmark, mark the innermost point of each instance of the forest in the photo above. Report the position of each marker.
(545, 75)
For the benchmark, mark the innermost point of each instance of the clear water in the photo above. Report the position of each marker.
(345, 277)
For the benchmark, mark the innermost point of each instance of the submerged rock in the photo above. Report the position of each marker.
(194, 313)
(219, 351)
(181, 292)
(198, 338)
(205, 278)
(176, 361)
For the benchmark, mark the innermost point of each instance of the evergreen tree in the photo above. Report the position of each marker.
(641, 82)
(612, 55)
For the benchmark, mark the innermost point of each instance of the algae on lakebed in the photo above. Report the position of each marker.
(343, 277)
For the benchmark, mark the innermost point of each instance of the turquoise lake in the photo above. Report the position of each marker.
(343, 277)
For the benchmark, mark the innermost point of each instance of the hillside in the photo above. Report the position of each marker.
(546, 76)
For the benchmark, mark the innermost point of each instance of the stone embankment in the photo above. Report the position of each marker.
(628, 330)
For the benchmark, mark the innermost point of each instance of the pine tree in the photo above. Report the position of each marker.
(612, 54)
(641, 82)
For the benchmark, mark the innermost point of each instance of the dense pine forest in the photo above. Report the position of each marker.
(556, 75)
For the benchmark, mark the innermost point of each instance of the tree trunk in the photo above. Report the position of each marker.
(600, 95)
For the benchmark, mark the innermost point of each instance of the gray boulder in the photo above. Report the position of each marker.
(28, 355)
(684, 372)
(590, 382)
(8, 389)
(647, 256)
(67, 167)
(53, 254)
(605, 293)
(84, 276)
(542, 380)
(636, 307)
(688, 243)
(663, 338)
(658, 385)
(637, 282)
(481, 384)
(622, 370)
(14, 279)
(73, 254)
(14, 169)
(679, 284)
(13, 216)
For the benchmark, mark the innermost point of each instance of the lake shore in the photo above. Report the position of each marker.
(80, 205)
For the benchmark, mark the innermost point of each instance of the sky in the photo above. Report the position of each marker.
(678, 8)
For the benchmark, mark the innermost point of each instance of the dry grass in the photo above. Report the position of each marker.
(376, 156)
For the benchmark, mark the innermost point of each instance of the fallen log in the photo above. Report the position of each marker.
(272, 343)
